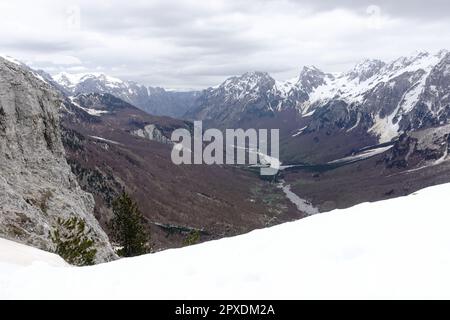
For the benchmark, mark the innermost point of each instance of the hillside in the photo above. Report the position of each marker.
(113, 146)
(351, 253)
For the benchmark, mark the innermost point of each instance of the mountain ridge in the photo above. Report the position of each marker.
(388, 92)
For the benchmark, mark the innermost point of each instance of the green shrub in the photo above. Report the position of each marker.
(73, 243)
(192, 238)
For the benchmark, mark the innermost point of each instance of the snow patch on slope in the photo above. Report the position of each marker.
(363, 155)
(17, 254)
(301, 204)
(92, 112)
(11, 59)
(384, 128)
(105, 140)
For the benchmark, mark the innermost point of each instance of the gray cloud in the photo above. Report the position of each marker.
(195, 44)
(419, 9)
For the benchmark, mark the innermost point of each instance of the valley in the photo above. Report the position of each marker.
(376, 132)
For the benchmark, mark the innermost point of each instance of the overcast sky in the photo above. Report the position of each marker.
(195, 43)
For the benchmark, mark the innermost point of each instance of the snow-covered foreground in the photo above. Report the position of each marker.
(392, 249)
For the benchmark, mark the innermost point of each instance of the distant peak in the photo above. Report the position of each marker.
(71, 80)
(257, 74)
(252, 76)
(419, 53)
(368, 63)
(310, 69)
(311, 77)
(442, 53)
(365, 69)
(11, 59)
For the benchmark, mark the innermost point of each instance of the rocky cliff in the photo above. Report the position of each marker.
(36, 183)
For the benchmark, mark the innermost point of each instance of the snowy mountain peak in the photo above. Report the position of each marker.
(309, 69)
(250, 83)
(365, 69)
(11, 59)
(442, 53)
(108, 80)
(71, 80)
(253, 76)
(311, 78)
(65, 79)
(419, 60)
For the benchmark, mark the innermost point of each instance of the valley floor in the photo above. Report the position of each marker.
(397, 248)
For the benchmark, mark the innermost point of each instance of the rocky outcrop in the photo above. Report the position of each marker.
(151, 132)
(36, 183)
(400, 153)
(420, 148)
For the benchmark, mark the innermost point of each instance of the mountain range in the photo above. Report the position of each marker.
(388, 119)
(153, 100)
(378, 131)
(386, 99)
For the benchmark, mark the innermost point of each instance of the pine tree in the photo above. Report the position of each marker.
(192, 238)
(73, 242)
(127, 227)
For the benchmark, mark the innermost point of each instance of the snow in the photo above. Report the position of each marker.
(285, 87)
(299, 131)
(11, 59)
(384, 128)
(17, 62)
(273, 162)
(70, 80)
(95, 112)
(17, 254)
(38, 76)
(104, 140)
(442, 159)
(92, 112)
(447, 71)
(308, 114)
(358, 121)
(363, 155)
(111, 82)
(352, 90)
(301, 204)
(412, 95)
(398, 248)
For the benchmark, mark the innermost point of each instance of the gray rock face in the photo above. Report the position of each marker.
(311, 78)
(422, 148)
(338, 114)
(36, 184)
(385, 97)
(151, 132)
(433, 108)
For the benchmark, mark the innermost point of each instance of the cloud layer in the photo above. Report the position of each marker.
(195, 44)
